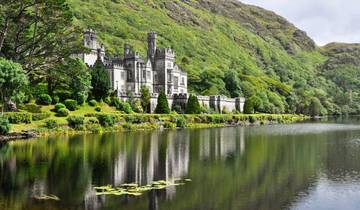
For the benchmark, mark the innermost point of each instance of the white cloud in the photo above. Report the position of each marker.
(324, 20)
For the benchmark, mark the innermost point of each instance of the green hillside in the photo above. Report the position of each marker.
(225, 43)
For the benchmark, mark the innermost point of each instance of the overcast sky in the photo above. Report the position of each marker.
(324, 20)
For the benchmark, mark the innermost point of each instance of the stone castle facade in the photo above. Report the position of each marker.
(158, 72)
(129, 73)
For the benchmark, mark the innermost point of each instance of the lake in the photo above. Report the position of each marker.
(312, 165)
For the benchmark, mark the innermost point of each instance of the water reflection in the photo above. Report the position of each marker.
(270, 167)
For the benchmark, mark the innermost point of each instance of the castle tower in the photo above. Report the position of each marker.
(151, 46)
(126, 49)
(90, 39)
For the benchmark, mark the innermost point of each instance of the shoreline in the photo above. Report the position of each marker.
(146, 122)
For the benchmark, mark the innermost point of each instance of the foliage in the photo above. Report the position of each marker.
(12, 80)
(180, 121)
(63, 112)
(55, 100)
(4, 126)
(127, 108)
(40, 116)
(98, 109)
(145, 98)
(106, 120)
(162, 104)
(51, 124)
(93, 102)
(76, 122)
(37, 34)
(44, 99)
(71, 104)
(80, 82)
(59, 106)
(232, 83)
(136, 107)
(193, 106)
(99, 81)
(18, 117)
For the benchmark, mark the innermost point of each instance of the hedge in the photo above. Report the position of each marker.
(40, 116)
(18, 117)
(71, 104)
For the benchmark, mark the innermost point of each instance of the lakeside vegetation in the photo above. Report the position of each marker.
(86, 118)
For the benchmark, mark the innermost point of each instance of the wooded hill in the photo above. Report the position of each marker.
(233, 49)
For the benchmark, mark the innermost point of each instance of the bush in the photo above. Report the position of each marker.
(92, 120)
(106, 120)
(32, 108)
(180, 121)
(93, 102)
(107, 100)
(94, 128)
(71, 104)
(44, 99)
(169, 125)
(55, 100)
(59, 106)
(162, 104)
(51, 124)
(193, 106)
(137, 106)
(18, 117)
(4, 126)
(178, 109)
(63, 95)
(40, 116)
(98, 109)
(127, 108)
(76, 122)
(63, 112)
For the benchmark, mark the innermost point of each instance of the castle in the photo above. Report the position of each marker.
(127, 74)
(158, 72)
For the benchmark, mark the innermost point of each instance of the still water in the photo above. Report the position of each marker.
(313, 165)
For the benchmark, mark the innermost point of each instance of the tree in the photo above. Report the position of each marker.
(249, 107)
(162, 104)
(38, 34)
(315, 107)
(145, 98)
(100, 81)
(232, 83)
(12, 81)
(80, 82)
(193, 106)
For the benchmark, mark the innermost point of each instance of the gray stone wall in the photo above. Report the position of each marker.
(218, 103)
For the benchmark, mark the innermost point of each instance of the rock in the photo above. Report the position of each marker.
(10, 107)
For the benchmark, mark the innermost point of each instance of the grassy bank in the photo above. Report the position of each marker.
(43, 119)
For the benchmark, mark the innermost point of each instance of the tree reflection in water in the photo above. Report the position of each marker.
(230, 168)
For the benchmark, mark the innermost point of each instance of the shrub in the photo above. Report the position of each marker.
(55, 100)
(249, 107)
(137, 107)
(193, 106)
(180, 121)
(76, 122)
(40, 116)
(92, 120)
(106, 120)
(162, 104)
(32, 108)
(107, 100)
(127, 108)
(169, 125)
(63, 112)
(252, 119)
(44, 99)
(93, 102)
(4, 126)
(178, 109)
(18, 117)
(94, 128)
(51, 124)
(59, 106)
(63, 95)
(71, 104)
(98, 109)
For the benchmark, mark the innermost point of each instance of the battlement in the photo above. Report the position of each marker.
(167, 53)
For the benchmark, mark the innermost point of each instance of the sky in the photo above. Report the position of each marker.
(323, 20)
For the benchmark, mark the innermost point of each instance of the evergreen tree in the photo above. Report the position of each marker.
(193, 105)
(249, 106)
(12, 81)
(162, 104)
(145, 98)
(100, 81)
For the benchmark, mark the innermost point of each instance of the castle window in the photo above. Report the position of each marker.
(144, 74)
(122, 75)
(182, 81)
(148, 75)
(176, 83)
(169, 65)
(130, 76)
